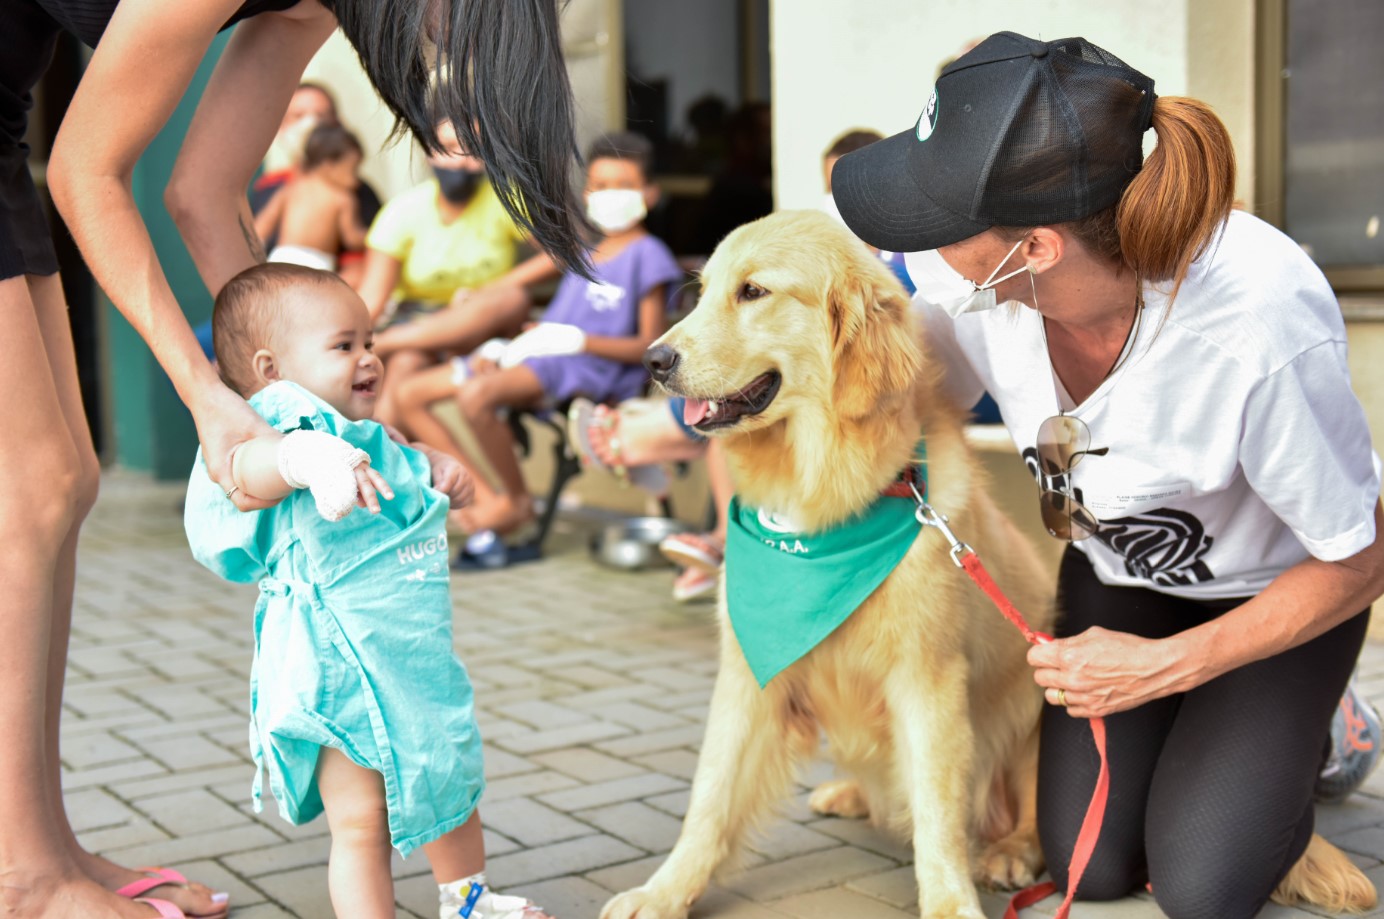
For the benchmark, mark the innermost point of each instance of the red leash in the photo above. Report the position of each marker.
(965, 557)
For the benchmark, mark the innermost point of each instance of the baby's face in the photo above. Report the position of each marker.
(325, 347)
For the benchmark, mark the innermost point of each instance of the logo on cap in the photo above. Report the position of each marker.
(928, 119)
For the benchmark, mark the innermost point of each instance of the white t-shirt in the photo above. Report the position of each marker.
(1236, 445)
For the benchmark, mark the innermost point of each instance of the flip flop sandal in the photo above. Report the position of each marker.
(163, 877)
(581, 416)
(693, 550)
(165, 909)
(692, 584)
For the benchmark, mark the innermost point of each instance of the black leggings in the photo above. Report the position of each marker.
(1211, 790)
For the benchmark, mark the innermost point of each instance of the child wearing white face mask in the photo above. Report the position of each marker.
(590, 343)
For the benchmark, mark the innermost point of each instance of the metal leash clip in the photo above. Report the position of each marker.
(929, 516)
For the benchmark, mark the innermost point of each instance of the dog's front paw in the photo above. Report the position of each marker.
(839, 798)
(640, 903)
(1015, 861)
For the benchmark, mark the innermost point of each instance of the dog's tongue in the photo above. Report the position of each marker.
(693, 411)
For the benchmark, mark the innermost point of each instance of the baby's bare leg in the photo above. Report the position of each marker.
(459, 854)
(358, 874)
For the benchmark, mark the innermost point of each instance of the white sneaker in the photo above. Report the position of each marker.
(472, 898)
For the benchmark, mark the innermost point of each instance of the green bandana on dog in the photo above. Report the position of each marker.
(786, 591)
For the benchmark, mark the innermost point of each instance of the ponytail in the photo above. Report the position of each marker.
(1173, 209)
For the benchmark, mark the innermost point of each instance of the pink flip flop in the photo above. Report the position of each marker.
(581, 415)
(163, 877)
(165, 909)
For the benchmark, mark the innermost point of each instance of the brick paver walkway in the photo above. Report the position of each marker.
(591, 685)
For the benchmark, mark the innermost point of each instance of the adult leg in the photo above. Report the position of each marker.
(399, 368)
(1230, 808)
(41, 500)
(358, 871)
(51, 311)
(1068, 763)
(474, 317)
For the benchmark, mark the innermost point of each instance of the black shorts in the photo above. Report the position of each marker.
(26, 48)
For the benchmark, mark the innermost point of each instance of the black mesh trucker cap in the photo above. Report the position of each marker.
(1017, 132)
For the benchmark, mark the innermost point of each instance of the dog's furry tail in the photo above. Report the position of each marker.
(1328, 880)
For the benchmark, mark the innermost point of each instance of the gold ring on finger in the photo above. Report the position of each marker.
(1062, 697)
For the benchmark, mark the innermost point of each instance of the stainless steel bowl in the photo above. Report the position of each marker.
(632, 544)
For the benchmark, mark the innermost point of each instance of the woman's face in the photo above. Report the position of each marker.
(309, 102)
(453, 155)
(983, 256)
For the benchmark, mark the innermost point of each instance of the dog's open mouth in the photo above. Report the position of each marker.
(751, 399)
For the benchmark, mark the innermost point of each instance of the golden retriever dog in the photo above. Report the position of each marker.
(803, 356)
(814, 375)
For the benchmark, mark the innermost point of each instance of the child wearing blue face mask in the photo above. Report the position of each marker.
(590, 343)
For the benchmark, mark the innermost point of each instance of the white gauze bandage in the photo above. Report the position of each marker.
(325, 465)
(544, 340)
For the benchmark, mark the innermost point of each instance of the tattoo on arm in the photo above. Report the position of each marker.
(252, 241)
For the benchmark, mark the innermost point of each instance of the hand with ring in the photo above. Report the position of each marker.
(1099, 672)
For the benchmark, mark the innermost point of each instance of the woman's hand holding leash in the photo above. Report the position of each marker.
(1100, 672)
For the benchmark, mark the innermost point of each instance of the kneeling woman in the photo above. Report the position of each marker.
(1175, 376)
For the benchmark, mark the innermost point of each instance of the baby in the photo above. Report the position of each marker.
(359, 707)
(316, 215)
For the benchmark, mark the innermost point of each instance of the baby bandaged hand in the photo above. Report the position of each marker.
(325, 465)
(544, 340)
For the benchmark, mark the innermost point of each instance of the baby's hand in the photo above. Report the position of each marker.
(338, 475)
(451, 478)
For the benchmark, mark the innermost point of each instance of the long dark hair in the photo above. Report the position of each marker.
(501, 81)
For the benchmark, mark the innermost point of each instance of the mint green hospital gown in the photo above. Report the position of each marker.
(353, 632)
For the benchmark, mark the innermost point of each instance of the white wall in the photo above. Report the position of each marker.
(692, 43)
(840, 65)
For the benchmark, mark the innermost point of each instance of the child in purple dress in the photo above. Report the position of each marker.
(590, 343)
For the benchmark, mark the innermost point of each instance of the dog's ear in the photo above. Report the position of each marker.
(875, 354)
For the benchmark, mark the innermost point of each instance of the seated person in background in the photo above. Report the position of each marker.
(590, 343)
(315, 214)
(310, 107)
(431, 248)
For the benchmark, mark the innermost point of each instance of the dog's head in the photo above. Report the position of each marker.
(796, 315)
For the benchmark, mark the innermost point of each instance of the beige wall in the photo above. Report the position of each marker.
(842, 65)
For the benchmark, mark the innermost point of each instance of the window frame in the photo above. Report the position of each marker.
(1271, 140)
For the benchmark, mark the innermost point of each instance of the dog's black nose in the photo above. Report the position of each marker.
(661, 361)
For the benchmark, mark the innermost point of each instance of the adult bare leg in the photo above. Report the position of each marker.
(474, 317)
(51, 311)
(40, 506)
(399, 368)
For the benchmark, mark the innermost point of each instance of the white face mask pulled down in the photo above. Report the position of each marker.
(941, 286)
(614, 210)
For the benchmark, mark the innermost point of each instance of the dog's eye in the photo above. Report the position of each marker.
(750, 291)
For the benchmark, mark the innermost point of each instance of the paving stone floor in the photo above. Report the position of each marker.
(592, 687)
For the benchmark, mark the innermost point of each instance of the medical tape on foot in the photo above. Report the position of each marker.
(325, 465)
